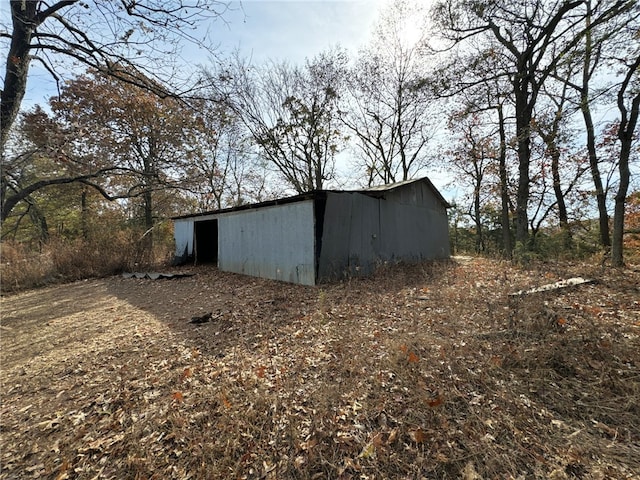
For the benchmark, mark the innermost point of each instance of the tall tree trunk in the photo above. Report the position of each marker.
(523, 132)
(563, 217)
(17, 69)
(148, 221)
(550, 140)
(39, 221)
(601, 197)
(84, 214)
(504, 188)
(477, 219)
(628, 123)
(150, 176)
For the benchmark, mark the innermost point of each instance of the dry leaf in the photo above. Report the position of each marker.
(496, 360)
(260, 371)
(299, 461)
(63, 471)
(225, 400)
(177, 396)
(309, 444)
(470, 473)
(413, 358)
(435, 401)
(417, 435)
(369, 451)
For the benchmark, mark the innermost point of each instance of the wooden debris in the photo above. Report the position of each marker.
(570, 282)
(155, 275)
(201, 319)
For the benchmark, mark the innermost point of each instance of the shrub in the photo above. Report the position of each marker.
(63, 260)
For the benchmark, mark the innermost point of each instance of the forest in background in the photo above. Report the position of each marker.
(530, 108)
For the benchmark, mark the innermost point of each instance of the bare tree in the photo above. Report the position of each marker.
(534, 38)
(132, 41)
(628, 100)
(473, 155)
(225, 171)
(292, 114)
(390, 110)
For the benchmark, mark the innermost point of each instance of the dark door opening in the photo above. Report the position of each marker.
(206, 236)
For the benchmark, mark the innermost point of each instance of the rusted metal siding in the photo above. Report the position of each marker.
(273, 242)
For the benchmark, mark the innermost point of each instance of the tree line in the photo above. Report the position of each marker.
(530, 107)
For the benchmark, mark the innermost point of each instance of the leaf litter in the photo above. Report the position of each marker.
(425, 371)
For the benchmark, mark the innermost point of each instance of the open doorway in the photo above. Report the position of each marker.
(206, 241)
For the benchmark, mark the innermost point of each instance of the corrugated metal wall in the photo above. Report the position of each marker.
(272, 242)
(409, 223)
(414, 224)
(351, 235)
(358, 231)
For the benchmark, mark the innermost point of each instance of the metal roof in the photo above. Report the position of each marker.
(377, 191)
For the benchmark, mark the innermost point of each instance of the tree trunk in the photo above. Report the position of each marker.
(625, 134)
(601, 198)
(477, 219)
(504, 189)
(84, 214)
(563, 217)
(39, 221)
(523, 126)
(617, 259)
(17, 69)
(148, 221)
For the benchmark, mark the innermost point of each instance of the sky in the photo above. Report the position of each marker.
(260, 29)
(296, 29)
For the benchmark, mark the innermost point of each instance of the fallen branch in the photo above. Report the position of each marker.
(570, 282)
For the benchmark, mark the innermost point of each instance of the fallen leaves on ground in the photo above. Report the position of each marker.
(427, 371)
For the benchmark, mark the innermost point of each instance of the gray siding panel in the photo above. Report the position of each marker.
(413, 233)
(274, 242)
(183, 234)
(351, 236)
(415, 225)
(360, 231)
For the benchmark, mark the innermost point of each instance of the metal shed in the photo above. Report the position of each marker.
(321, 235)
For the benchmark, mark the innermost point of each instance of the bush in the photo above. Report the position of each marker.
(64, 260)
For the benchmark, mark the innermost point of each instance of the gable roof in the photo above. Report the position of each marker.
(377, 192)
(382, 189)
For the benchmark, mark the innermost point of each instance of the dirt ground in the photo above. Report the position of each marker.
(428, 371)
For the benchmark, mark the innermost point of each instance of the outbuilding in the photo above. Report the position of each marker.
(322, 235)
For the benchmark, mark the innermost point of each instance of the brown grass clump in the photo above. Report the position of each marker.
(63, 260)
(428, 371)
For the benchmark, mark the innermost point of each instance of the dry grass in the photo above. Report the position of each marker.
(426, 371)
(62, 260)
